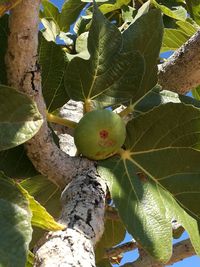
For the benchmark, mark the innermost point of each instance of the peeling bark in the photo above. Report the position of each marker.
(83, 214)
(181, 72)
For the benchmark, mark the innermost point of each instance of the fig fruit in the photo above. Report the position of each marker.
(99, 134)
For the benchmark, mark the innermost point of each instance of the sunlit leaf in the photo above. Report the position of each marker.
(19, 118)
(45, 192)
(179, 13)
(187, 27)
(51, 30)
(173, 39)
(40, 217)
(30, 259)
(15, 224)
(106, 8)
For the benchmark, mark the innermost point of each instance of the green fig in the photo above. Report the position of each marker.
(99, 134)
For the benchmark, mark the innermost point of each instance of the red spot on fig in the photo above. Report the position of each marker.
(103, 134)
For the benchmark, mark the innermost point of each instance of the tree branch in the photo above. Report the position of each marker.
(181, 250)
(24, 74)
(116, 251)
(83, 213)
(181, 72)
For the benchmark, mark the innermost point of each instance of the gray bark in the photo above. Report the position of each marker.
(24, 74)
(83, 213)
(181, 72)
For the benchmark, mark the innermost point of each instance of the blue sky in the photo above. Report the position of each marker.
(130, 256)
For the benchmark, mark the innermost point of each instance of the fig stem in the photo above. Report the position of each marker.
(120, 151)
(60, 121)
(87, 105)
(125, 112)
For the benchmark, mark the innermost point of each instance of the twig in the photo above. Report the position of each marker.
(116, 251)
(181, 250)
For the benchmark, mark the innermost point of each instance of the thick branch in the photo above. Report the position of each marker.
(83, 213)
(23, 73)
(181, 251)
(181, 72)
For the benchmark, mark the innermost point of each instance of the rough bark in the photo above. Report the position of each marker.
(181, 72)
(83, 212)
(24, 74)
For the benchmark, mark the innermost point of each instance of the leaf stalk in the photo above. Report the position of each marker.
(61, 121)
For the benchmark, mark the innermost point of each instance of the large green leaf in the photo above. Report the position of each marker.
(146, 209)
(174, 38)
(188, 27)
(53, 62)
(171, 128)
(109, 75)
(157, 97)
(50, 12)
(45, 192)
(106, 8)
(48, 195)
(3, 47)
(165, 143)
(19, 118)
(50, 31)
(113, 234)
(15, 224)
(139, 206)
(145, 36)
(179, 13)
(40, 217)
(17, 158)
(69, 13)
(194, 9)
